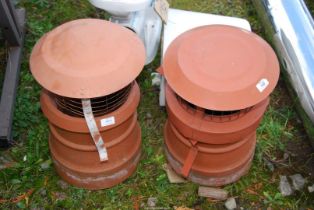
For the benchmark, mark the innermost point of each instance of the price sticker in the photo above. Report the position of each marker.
(107, 121)
(262, 85)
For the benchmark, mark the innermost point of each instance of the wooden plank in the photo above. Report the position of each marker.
(9, 87)
(210, 192)
(173, 177)
(7, 23)
(14, 15)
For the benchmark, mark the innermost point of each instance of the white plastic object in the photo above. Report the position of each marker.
(139, 16)
(121, 7)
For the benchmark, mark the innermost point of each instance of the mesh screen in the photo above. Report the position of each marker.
(213, 115)
(100, 106)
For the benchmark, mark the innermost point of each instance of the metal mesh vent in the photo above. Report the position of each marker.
(101, 105)
(213, 115)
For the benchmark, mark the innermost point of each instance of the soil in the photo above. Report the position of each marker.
(300, 150)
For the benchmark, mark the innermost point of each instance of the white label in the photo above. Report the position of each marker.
(107, 121)
(262, 85)
(162, 7)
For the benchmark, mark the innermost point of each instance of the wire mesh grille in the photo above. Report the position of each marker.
(100, 106)
(213, 115)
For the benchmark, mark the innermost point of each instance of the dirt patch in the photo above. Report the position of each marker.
(299, 150)
(302, 157)
(280, 97)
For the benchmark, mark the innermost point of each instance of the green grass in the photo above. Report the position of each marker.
(278, 129)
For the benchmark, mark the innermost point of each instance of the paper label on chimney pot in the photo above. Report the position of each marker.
(162, 7)
(262, 85)
(107, 121)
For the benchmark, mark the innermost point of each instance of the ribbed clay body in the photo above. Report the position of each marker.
(74, 153)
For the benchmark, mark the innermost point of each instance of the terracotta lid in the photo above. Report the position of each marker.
(221, 67)
(87, 58)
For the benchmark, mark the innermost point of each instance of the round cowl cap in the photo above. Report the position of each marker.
(87, 58)
(221, 67)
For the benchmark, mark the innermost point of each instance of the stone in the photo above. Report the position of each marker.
(45, 165)
(60, 196)
(311, 188)
(149, 115)
(156, 80)
(286, 156)
(284, 186)
(151, 202)
(298, 181)
(42, 192)
(269, 165)
(231, 204)
(62, 184)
